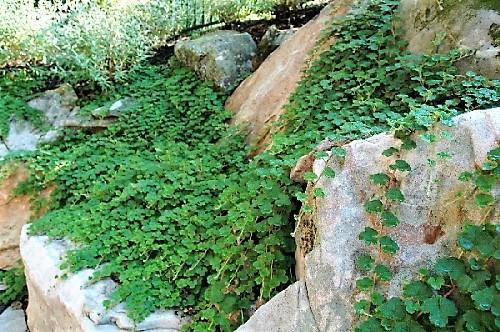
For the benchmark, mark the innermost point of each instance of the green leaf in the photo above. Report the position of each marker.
(408, 144)
(362, 307)
(374, 206)
(484, 200)
(377, 298)
(494, 155)
(310, 176)
(444, 155)
(383, 272)
(465, 176)
(308, 209)
(436, 282)
(320, 154)
(319, 193)
(379, 178)
(329, 172)
(477, 321)
(229, 304)
(400, 165)
(450, 266)
(484, 298)
(390, 151)
(394, 194)
(408, 326)
(428, 138)
(364, 263)
(440, 309)
(364, 283)
(393, 309)
(369, 235)
(339, 152)
(301, 196)
(370, 325)
(389, 219)
(388, 245)
(485, 182)
(489, 166)
(418, 290)
(411, 307)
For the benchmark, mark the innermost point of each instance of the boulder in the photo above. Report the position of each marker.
(15, 212)
(468, 25)
(60, 110)
(271, 40)
(431, 216)
(259, 100)
(223, 57)
(74, 304)
(13, 320)
(57, 105)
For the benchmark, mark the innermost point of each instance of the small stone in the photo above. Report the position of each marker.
(13, 320)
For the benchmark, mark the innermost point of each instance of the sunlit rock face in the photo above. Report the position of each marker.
(431, 216)
(469, 25)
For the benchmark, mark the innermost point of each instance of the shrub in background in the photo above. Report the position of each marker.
(98, 41)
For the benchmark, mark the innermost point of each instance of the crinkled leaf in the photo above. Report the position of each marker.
(394, 194)
(393, 309)
(365, 263)
(379, 178)
(389, 219)
(390, 151)
(361, 307)
(310, 176)
(319, 193)
(494, 155)
(418, 290)
(383, 272)
(329, 172)
(369, 235)
(388, 245)
(364, 283)
(484, 200)
(374, 206)
(400, 165)
(436, 282)
(440, 309)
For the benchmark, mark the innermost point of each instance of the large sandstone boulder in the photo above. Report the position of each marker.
(15, 212)
(431, 217)
(74, 304)
(260, 99)
(467, 24)
(223, 57)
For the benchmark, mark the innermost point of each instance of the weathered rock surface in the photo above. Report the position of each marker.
(221, 56)
(260, 99)
(271, 40)
(60, 110)
(431, 216)
(73, 304)
(13, 320)
(467, 24)
(114, 111)
(15, 212)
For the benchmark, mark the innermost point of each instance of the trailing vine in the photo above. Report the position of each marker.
(166, 202)
(459, 292)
